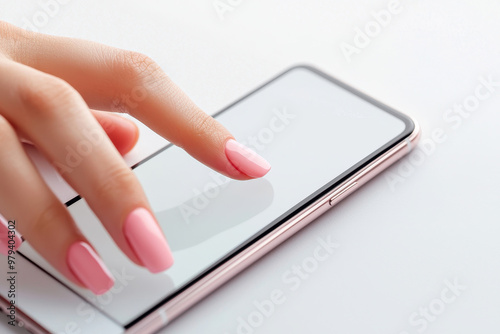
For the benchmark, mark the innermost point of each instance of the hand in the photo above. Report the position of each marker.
(47, 85)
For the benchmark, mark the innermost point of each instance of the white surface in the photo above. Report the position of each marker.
(400, 246)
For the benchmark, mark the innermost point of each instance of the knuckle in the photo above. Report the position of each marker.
(117, 182)
(4, 26)
(138, 67)
(45, 95)
(203, 125)
(12, 37)
(8, 29)
(47, 221)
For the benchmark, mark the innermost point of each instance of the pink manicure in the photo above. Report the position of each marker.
(147, 240)
(89, 268)
(14, 238)
(245, 160)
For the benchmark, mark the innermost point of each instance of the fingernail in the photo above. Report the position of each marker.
(147, 240)
(88, 267)
(10, 239)
(245, 160)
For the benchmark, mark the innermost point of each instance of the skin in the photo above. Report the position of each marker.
(54, 91)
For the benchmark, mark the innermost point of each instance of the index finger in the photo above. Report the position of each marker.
(118, 80)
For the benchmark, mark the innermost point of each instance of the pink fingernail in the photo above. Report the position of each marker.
(147, 240)
(10, 239)
(245, 160)
(88, 267)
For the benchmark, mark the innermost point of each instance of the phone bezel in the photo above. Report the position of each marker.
(410, 127)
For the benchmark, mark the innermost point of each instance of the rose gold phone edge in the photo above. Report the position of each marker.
(220, 275)
(173, 308)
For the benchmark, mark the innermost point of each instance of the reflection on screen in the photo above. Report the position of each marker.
(310, 131)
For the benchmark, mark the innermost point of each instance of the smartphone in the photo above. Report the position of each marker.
(323, 139)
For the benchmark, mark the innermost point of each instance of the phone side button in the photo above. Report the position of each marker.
(342, 191)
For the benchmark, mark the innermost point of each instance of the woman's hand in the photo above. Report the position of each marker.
(47, 85)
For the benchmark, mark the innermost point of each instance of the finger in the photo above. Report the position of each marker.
(47, 224)
(113, 79)
(59, 123)
(122, 132)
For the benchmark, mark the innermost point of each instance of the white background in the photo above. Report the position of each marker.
(399, 243)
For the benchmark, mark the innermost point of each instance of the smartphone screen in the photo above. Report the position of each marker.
(314, 131)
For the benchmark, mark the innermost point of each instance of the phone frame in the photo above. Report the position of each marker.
(266, 240)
